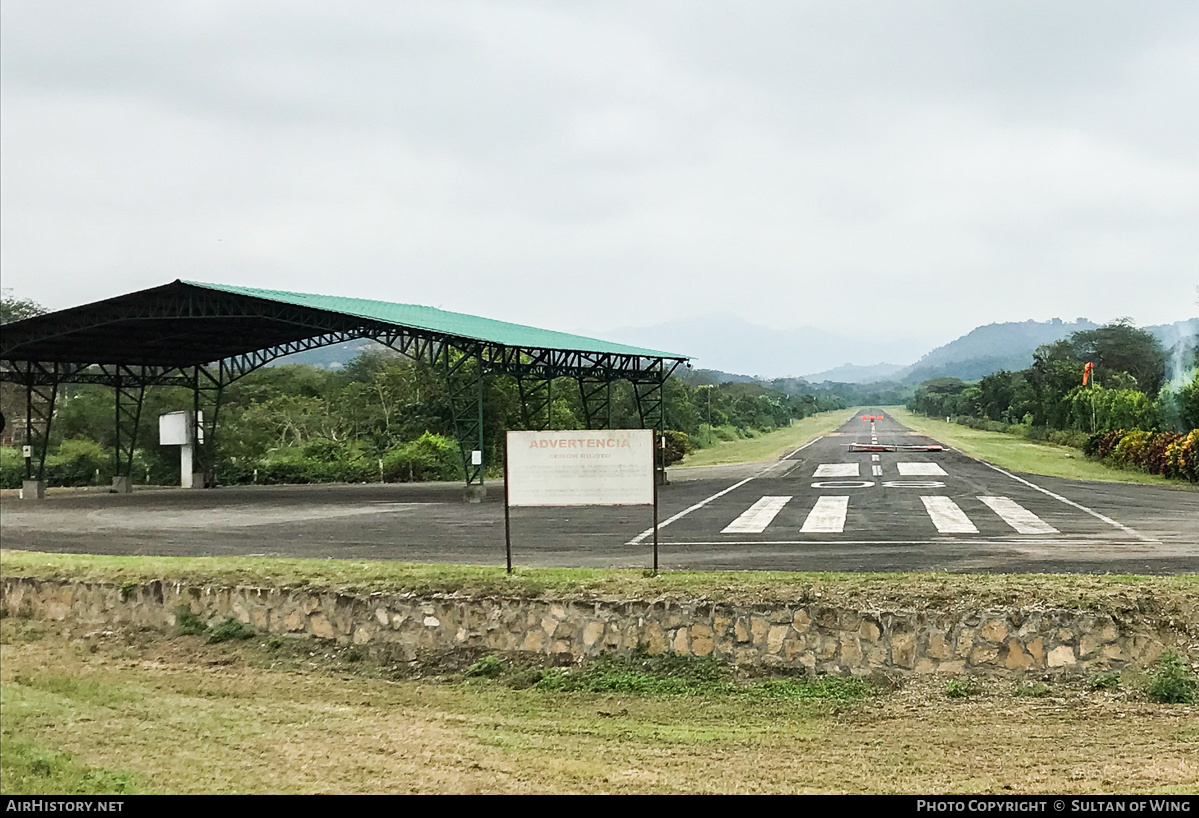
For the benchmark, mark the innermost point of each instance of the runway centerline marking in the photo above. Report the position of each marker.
(876, 470)
(947, 516)
(827, 516)
(755, 518)
(1017, 516)
(649, 531)
(921, 470)
(836, 470)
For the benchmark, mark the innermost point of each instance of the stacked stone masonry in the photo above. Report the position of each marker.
(821, 638)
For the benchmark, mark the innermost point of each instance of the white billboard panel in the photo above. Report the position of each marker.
(174, 429)
(581, 468)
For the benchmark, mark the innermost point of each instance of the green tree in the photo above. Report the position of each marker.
(17, 309)
(1120, 347)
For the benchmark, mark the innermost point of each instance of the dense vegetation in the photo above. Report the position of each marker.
(380, 418)
(1138, 409)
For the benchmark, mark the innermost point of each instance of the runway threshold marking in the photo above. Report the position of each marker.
(1014, 541)
(1017, 516)
(827, 516)
(1068, 502)
(947, 516)
(649, 531)
(836, 470)
(755, 518)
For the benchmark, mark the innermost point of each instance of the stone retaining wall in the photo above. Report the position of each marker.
(821, 638)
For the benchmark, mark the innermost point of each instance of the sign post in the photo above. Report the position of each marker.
(614, 467)
(662, 445)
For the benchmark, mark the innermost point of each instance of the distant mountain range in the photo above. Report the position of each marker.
(724, 345)
(852, 373)
(731, 344)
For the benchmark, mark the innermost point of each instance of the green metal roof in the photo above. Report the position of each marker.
(449, 323)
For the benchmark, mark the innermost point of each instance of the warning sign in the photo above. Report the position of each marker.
(581, 468)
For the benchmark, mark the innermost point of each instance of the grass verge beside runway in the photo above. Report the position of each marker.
(911, 590)
(770, 446)
(1024, 455)
(139, 712)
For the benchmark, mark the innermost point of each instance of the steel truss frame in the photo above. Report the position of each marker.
(39, 414)
(130, 394)
(464, 362)
(596, 397)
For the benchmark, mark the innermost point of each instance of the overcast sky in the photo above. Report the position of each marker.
(904, 168)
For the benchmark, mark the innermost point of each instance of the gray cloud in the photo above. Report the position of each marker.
(903, 168)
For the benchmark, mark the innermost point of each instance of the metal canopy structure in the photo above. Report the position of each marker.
(206, 336)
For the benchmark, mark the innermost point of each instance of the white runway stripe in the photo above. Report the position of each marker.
(836, 470)
(755, 518)
(947, 517)
(920, 469)
(827, 516)
(1017, 516)
(876, 470)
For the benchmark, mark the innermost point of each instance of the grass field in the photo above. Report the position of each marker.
(1023, 455)
(916, 590)
(770, 446)
(141, 712)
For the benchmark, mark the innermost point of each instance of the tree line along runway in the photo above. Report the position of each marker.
(822, 507)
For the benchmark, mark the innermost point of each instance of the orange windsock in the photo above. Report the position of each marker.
(1086, 373)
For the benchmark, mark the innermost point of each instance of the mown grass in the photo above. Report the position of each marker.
(916, 590)
(769, 446)
(129, 713)
(1023, 455)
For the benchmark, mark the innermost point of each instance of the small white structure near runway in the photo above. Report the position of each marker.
(181, 429)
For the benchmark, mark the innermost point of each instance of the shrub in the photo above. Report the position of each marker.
(429, 457)
(486, 668)
(188, 623)
(961, 688)
(1165, 453)
(79, 463)
(1105, 681)
(678, 445)
(1030, 690)
(230, 628)
(12, 468)
(1171, 680)
(1181, 457)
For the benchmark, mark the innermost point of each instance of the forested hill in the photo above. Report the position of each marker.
(989, 349)
(1010, 346)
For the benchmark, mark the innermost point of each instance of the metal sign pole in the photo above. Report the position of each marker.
(655, 519)
(507, 522)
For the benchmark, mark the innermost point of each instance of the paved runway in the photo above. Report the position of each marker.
(821, 508)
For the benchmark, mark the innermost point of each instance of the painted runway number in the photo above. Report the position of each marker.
(836, 470)
(920, 470)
